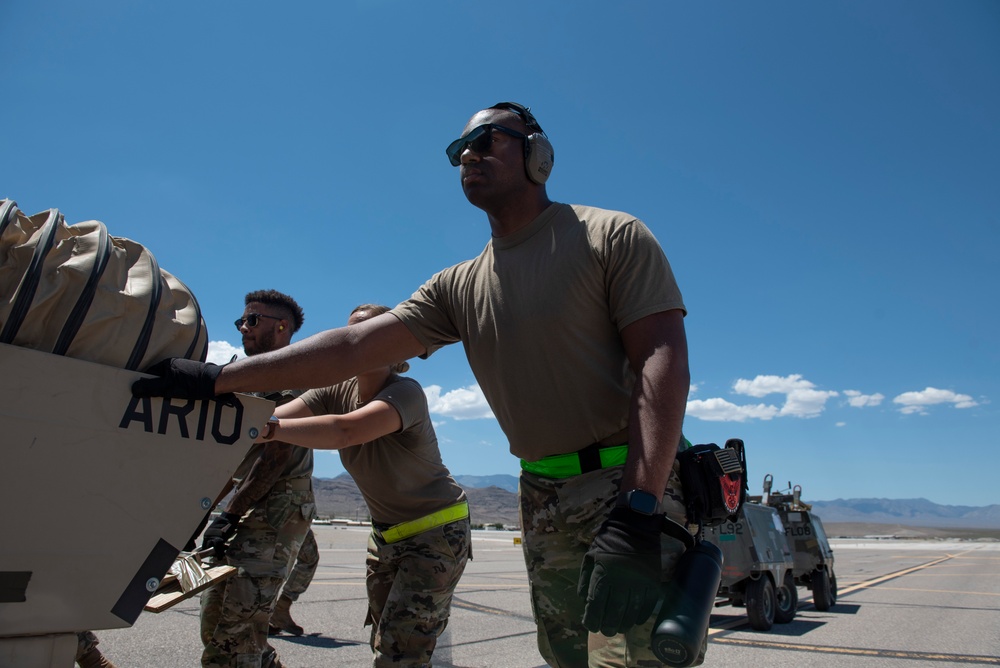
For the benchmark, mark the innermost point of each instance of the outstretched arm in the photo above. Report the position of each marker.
(325, 358)
(320, 360)
(333, 432)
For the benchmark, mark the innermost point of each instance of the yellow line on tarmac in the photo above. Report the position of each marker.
(943, 591)
(317, 583)
(461, 585)
(859, 651)
(892, 576)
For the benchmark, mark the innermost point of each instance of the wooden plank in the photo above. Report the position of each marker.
(169, 596)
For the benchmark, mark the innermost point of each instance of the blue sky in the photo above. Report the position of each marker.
(822, 176)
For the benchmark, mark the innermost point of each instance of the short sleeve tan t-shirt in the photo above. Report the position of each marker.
(400, 475)
(540, 312)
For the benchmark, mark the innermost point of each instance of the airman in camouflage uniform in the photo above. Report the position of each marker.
(410, 586)
(420, 540)
(266, 519)
(295, 586)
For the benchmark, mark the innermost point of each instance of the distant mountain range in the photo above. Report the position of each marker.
(501, 480)
(908, 512)
(339, 497)
(493, 500)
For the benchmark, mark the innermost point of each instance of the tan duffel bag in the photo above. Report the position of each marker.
(75, 290)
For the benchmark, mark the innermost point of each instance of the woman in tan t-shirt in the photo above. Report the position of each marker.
(420, 540)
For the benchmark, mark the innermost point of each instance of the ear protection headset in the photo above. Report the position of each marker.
(538, 153)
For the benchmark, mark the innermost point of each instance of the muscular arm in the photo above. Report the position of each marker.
(657, 351)
(325, 358)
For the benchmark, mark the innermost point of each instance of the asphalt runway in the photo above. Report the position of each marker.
(901, 604)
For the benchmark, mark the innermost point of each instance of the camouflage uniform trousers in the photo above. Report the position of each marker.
(304, 570)
(559, 519)
(410, 586)
(235, 613)
(85, 641)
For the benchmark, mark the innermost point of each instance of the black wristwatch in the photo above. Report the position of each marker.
(642, 502)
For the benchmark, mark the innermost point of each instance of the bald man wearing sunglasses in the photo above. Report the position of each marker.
(573, 324)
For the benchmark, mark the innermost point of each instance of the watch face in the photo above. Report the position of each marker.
(642, 502)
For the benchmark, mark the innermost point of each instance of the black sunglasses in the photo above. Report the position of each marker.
(479, 139)
(253, 319)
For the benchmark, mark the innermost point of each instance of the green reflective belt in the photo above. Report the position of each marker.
(589, 459)
(398, 532)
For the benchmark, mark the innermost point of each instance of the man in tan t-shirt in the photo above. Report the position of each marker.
(573, 326)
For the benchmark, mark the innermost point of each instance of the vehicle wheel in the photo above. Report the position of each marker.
(760, 603)
(833, 587)
(787, 599)
(824, 595)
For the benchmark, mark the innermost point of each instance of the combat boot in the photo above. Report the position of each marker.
(281, 619)
(94, 659)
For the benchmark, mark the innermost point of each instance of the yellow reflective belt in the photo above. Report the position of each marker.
(568, 465)
(398, 532)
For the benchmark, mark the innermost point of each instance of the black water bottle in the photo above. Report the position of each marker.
(687, 605)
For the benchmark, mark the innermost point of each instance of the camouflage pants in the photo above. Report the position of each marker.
(559, 519)
(85, 641)
(410, 586)
(305, 569)
(235, 613)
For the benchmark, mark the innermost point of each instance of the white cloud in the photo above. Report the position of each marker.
(761, 386)
(917, 402)
(720, 410)
(858, 400)
(806, 403)
(801, 398)
(220, 352)
(841, 424)
(466, 403)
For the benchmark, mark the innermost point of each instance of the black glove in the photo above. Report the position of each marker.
(190, 545)
(179, 377)
(621, 572)
(219, 532)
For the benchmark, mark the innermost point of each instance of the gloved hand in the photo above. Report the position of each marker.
(219, 532)
(621, 573)
(190, 545)
(179, 377)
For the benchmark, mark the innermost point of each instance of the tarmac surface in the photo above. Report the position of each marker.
(901, 604)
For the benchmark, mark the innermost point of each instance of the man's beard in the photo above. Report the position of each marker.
(264, 343)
